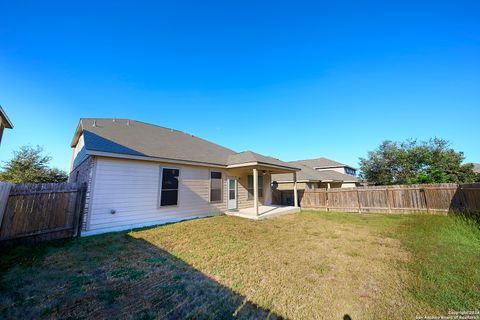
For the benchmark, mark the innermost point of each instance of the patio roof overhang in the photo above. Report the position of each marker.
(272, 168)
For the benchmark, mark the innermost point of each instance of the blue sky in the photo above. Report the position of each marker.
(291, 79)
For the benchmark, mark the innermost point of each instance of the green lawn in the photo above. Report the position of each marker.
(311, 265)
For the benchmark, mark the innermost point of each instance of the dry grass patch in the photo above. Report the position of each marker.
(306, 266)
(299, 266)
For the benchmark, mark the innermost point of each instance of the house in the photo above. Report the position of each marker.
(324, 164)
(4, 122)
(139, 174)
(317, 173)
(476, 167)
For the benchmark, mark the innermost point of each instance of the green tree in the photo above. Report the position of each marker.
(30, 165)
(413, 162)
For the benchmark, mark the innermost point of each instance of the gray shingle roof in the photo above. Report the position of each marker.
(336, 176)
(250, 156)
(135, 138)
(322, 163)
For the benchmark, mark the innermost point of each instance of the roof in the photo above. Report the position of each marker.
(322, 163)
(247, 157)
(308, 174)
(4, 119)
(134, 139)
(476, 167)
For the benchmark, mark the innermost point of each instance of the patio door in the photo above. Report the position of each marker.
(232, 194)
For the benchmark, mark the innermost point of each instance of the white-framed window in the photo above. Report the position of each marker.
(169, 184)
(250, 187)
(216, 182)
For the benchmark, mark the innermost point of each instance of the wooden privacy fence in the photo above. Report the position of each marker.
(392, 199)
(36, 212)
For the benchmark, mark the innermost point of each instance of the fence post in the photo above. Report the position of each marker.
(389, 203)
(358, 201)
(327, 202)
(426, 201)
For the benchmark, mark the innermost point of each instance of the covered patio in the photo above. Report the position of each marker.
(249, 192)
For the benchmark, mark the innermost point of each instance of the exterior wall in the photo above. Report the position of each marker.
(339, 184)
(131, 189)
(242, 192)
(79, 153)
(310, 185)
(338, 169)
(349, 185)
(289, 186)
(332, 184)
(81, 172)
(84, 173)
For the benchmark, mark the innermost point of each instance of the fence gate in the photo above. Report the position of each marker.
(37, 212)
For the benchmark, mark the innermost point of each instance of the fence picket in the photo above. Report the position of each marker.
(429, 198)
(37, 212)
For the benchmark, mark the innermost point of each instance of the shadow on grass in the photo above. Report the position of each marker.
(112, 276)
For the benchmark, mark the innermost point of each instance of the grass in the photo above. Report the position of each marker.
(447, 261)
(309, 265)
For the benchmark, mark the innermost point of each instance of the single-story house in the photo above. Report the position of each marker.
(4, 122)
(139, 174)
(317, 173)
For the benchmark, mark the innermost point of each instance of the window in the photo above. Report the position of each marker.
(169, 187)
(250, 187)
(215, 186)
(350, 171)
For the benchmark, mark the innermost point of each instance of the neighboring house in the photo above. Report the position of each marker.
(318, 173)
(4, 122)
(140, 174)
(476, 167)
(324, 164)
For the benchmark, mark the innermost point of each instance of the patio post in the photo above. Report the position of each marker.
(255, 190)
(295, 193)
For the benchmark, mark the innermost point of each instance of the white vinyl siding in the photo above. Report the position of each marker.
(131, 188)
(250, 187)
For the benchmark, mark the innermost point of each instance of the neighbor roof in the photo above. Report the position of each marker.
(322, 163)
(4, 119)
(476, 167)
(139, 139)
(308, 174)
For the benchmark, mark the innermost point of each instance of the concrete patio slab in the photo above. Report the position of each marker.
(264, 212)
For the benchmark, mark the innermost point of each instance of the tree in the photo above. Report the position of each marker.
(411, 162)
(29, 165)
